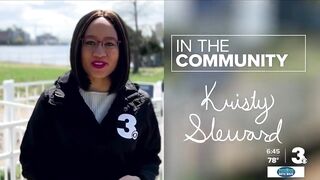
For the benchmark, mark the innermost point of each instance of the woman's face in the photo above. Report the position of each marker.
(100, 52)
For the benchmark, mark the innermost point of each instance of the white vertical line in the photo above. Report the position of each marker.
(285, 155)
(171, 52)
(305, 53)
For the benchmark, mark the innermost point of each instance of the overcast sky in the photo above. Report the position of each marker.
(60, 17)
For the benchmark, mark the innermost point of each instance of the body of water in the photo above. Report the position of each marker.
(42, 54)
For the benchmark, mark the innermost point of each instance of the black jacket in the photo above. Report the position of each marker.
(63, 140)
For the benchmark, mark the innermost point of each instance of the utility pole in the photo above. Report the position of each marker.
(135, 14)
(136, 49)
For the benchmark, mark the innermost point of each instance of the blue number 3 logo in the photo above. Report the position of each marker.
(130, 124)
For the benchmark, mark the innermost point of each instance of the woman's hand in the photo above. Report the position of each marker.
(128, 177)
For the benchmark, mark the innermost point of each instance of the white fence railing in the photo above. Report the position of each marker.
(12, 133)
(16, 107)
(24, 92)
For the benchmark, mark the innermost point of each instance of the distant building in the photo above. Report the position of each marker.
(4, 37)
(47, 39)
(19, 36)
(15, 35)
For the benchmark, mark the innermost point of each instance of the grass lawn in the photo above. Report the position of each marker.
(29, 72)
(32, 72)
(148, 75)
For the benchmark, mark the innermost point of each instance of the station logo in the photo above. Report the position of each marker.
(286, 171)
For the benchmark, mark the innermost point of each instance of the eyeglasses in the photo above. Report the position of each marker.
(107, 44)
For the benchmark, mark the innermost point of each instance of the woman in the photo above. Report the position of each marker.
(93, 124)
